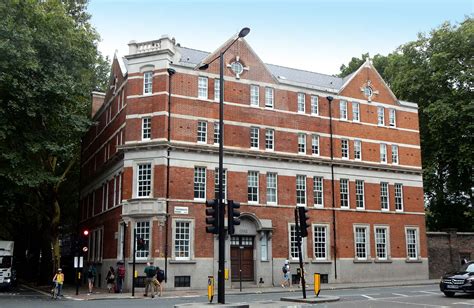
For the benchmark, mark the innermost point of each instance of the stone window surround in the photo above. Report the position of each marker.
(191, 238)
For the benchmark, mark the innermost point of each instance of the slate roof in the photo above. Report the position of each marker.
(192, 57)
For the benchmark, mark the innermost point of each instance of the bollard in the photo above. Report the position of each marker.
(317, 284)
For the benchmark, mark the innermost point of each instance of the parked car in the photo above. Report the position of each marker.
(460, 281)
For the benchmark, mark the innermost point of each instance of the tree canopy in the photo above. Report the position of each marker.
(436, 71)
(49, 64)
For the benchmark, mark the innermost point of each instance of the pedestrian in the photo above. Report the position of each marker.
(120, 276)
(463, 261)
(160, 276)
(150, 272)
(91, 274)
(286, 274)
(58, 280)
(110, 279)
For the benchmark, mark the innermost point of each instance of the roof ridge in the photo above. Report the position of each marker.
(298, 69)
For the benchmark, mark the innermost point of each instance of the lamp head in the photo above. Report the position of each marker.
(329, 98)
(204, 67)
(171, 71)
(244, 32)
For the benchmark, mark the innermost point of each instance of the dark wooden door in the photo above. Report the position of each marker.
(241, 258)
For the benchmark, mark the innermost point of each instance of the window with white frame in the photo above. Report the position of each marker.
(217, 132)
(199, 183)
(355, 112)
(301, 102)
(320, 233)
(301, 143)
(314, 105)
(252, 187)
(381, 243)
(361, 242)
(147, 82)
(269, 97)
(344, 192)
(315, 145)
(264, 247)
(343, 110)
(143, 180)
(398, 197)
(254, 95)
(345, 149)
(271, 188)
(143, 232)
(294, 253)
(202, 87)
(394, 154)
(392, 118)
(412, 243)
(318, 191)
(202, 132)
(146, 128)
(254, 134)
(216, 183)
(269, 139)
(105, 198)
(217, 89)
(380, 116)
(383, 153)
(384, 202)
(300, 190)
(357, 149)
(359, 194)
(96, 245)
(182, 240)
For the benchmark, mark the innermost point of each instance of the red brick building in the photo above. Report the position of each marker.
(365, 202)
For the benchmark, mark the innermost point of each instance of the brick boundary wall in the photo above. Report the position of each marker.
(446, 249)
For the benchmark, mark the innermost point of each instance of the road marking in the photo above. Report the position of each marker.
(414, 304)
(39, 291)
(429, 292)
(463, 303)
(404, 295)
(368, 297)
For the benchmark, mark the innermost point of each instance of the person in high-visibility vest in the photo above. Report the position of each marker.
(58, 279)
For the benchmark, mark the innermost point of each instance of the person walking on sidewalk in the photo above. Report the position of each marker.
(150, 272)
(91, 274)
(286, 274)
(58, 280)
(120, 276)
(160, 276)
(110, 279)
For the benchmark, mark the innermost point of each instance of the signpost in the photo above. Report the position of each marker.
(210, 288)
(78, 265)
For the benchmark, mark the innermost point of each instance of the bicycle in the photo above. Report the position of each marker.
(55, 290)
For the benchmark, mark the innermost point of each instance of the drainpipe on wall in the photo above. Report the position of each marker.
(171, 72)
(330, 99)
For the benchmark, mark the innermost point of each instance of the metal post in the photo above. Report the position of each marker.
(300, 254)
(134, 253)
(330, 98)
(77, 278)
(220, 273)
(240, 266)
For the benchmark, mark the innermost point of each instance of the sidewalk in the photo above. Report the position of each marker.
(69, 291)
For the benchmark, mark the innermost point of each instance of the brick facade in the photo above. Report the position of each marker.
(120, 167)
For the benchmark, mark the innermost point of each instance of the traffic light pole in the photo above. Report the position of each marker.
(134, 254)
(300, 252)
(221, 270)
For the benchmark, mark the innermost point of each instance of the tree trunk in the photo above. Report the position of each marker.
(55, 219)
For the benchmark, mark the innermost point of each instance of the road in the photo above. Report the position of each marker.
(384, 297)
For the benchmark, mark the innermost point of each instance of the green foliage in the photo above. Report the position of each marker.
(49, 64)
(436, 71)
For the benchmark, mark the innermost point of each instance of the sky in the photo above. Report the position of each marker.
(318, 35)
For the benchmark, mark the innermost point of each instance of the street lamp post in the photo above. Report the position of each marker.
(221, 208)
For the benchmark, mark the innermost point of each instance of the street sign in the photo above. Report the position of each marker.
(76, 262)
(81, 262)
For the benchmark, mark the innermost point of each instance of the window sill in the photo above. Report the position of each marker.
(362, 261)
(182, 261)
(321, 261)
(413, 261)
(383, 261)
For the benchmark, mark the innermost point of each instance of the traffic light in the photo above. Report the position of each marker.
(303, 220)
(212, 216)
(234, 215)
(84, 241)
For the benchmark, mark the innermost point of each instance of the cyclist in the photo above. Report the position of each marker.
(58, 280)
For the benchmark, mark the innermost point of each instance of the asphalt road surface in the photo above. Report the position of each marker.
(384, 297)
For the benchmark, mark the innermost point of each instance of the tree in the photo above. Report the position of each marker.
(436, 72)
(49, 65)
